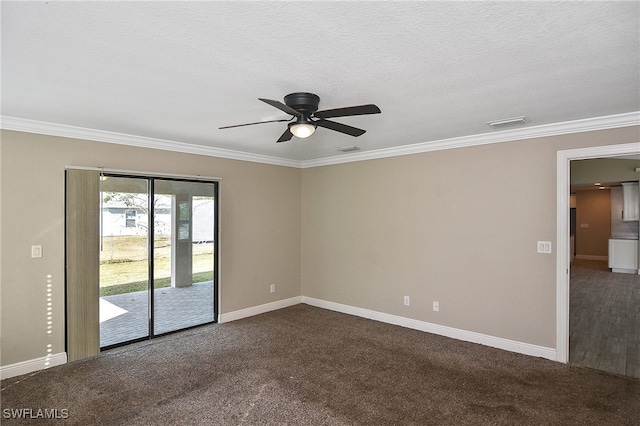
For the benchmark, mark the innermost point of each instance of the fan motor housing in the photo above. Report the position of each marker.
(303, 102)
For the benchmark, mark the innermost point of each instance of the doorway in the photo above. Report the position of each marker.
(158, 256)
(563, 233)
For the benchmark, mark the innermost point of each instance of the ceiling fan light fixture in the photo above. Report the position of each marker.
(302, 130)
(303, 108)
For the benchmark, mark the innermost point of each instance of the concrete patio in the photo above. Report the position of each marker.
(125, 317)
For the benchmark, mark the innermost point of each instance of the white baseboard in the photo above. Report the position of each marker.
(30, 366)
(625, 271)
(260, 309)
(467, 336)
(591, 257)
(26, 367)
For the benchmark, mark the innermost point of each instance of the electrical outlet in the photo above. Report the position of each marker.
(407, 301)
(272, 288)
(436, 306)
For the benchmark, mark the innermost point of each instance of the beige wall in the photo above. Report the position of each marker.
(259, 225)
(593, 223)
(458, 226)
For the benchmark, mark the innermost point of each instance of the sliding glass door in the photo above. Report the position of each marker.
(124, 259)
(158, 256)
(183, 261)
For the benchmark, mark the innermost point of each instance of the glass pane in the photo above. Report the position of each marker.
(124, 263)
(183, 264)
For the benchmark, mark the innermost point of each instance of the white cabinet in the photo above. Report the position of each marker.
(630, 205)
(623, 256)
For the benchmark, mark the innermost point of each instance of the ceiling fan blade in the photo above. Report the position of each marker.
(348, 111)
(286, 136)
(281, 107)
(339, 127)
(257, 122)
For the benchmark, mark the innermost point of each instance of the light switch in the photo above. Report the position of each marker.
(36, 251)
(544, 246)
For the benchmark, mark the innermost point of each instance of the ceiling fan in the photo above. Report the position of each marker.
(303, 107)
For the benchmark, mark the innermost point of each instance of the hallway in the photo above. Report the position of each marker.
(604, 318)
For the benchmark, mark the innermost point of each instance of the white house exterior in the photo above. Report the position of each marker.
(120, 219)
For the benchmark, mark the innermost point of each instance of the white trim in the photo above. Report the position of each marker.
(260, 309)
(562, 227)
(455, 333)
(156, 175)
(29, 366)
(62, 130)
(575, 126)
(624, 271)
(545, 130)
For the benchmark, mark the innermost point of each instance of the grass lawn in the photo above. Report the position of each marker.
(124, 265)
(144, 285)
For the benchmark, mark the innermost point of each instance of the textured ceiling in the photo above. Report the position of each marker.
(179, 70)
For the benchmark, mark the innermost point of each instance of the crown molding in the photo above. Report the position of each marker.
(62, 130)
(545, 130)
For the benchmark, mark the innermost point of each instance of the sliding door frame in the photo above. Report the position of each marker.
(152, 177)
(150, 255)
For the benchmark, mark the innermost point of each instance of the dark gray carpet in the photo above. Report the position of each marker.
(308, 366)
